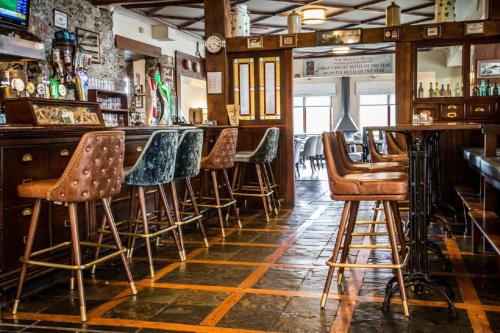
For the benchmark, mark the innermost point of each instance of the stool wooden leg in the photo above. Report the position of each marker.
(262, 191)
(100, 238)
(189, 186)
(273, 182)
(164, 200)
(399, 227)
(231, 197)
(75, 242)
(130, 245)
(175, 200)
(27, 252)
(353, 213)
(217, 201)
(267, 181)
(336, 250)
(395, 254)
(235, 176)
(114, 232)
(142, 203)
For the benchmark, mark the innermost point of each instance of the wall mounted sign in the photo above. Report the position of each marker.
(60, 19)
(214, 83)
(89, 42)
(269, 88)
(244, 87)
(351, 65)
(335, 37)
(474, 28)
(256, 42)
(488, 68)
(392, 34)
(288, 40)
(432, 31)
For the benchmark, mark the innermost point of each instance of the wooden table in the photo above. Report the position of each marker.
(424, 163)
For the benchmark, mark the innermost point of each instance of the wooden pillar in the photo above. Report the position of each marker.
(217, 20)
(403, 83)
(493, 10)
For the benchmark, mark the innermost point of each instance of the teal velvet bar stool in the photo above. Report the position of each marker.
(187, 166)
(154, 168)
(265, 153)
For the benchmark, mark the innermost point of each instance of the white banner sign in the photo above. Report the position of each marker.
(352, 65)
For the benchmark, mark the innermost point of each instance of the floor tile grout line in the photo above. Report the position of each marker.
(478, 318)
(218, 314)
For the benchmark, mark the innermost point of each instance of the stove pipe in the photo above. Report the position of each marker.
(346, 123)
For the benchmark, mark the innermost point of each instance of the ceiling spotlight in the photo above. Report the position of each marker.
(312, 16)
(341, 50)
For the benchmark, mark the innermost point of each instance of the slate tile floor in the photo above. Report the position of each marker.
(266, 277)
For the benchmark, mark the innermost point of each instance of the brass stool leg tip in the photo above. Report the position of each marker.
(72, 280)
(15, 307)
(406, 311)
(206, 242)
(181, 256)
(151, 271)
(340, 278)
(158, 241)
(92, 271)
(134, 289)
(130, 253)
(223, 233)
(83, 313)
(184, 257)
(240, 226)
(324, 297)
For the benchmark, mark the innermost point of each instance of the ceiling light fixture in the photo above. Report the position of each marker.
(312, 16)
(341, 50)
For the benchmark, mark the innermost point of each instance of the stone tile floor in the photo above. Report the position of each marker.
(267, 277)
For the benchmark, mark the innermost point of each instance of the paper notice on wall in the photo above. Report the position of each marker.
(349, 65)
(214, 82)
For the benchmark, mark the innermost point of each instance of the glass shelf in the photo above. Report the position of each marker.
(484, 70)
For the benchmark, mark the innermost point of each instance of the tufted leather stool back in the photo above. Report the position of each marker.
(156, 164)
(187, 164)
(267, 149)
(95, 169)
(222, 154)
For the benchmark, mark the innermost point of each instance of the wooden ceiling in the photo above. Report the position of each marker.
(270, 16)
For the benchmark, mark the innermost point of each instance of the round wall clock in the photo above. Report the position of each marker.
(215, 43)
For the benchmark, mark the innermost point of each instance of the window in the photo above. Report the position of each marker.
(312, 114)
(377, 110)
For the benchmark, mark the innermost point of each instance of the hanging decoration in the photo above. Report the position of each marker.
(294, 23)
(445, 11)
(240, 21)
(392, 15)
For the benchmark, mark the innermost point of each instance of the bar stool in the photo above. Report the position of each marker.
(393, 145)
(221, 158)
(187, 166)
(388, 187)
(154, 168)
(269, 174)
(93, 173)
(377, 156)
(262, 154)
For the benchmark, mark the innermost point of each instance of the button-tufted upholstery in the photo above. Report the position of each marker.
(345, 185)
(95, 171)
(222, 154)
(156, 165)
(265, 152)
(187, 164)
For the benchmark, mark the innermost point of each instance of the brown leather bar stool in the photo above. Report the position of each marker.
(221, 158)
(93, 173)
(394, 146)
(377, 156)
(388, 187)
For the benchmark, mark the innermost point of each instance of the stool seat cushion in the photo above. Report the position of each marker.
(222, 154)
(38, 189)
(243, 156)
(376, 183)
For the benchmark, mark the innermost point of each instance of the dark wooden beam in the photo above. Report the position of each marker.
(137, 47)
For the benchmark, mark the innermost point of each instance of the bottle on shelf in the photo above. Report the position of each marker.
(420, 93)
(482, 89)
(447, 93)
(431, 91)
(488, 88)
(458, 91)
(436, 90)
(442, 92)
(5, 86)
(495, 90)
(475, 90)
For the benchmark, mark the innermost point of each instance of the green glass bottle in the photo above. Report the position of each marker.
(420, 92)
(495, 90)
(488, 88)
(458, 91)
(436, 90)
(482, 88)
(431, 91)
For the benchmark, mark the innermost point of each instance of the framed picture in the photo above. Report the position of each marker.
(488, 69)
(169, 73)
(138, 102)
(60, 19)
(432, 31)
(89, 42)
(255, 42)
(288, 40)
(391, 34)
(138, 89)
(336, 37)
(474, 28)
